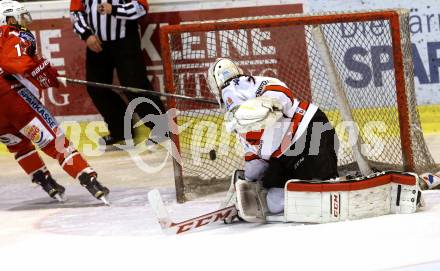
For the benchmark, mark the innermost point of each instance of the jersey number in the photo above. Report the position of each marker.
(17, 46)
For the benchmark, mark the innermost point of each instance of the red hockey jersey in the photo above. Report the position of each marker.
(16, 60)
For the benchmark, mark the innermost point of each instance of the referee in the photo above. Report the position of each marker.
(110, 31)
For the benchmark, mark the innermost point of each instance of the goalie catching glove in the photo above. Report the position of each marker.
(254, 114)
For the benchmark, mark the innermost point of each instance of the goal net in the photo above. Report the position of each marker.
(372, 62)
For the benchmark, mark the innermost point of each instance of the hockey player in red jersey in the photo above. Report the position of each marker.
(24, 122)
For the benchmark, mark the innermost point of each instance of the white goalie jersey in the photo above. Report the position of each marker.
(274, 140)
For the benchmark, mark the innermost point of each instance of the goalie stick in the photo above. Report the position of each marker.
(65, 81)
(169, 226)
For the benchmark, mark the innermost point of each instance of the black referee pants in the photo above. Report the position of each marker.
(124, 55)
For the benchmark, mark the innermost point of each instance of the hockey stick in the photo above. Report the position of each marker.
(169, 226)
(65, 81)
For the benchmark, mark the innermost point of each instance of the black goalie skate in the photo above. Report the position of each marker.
(52, 188)
(89, 181)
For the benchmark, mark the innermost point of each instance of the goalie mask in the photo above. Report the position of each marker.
(220, 73)
(13, 9)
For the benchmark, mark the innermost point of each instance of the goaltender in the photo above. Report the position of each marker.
(290, 158)
(284, 138)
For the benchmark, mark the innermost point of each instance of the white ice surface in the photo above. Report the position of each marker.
(37, 233)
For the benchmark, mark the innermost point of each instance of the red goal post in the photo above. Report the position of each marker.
(261, 45)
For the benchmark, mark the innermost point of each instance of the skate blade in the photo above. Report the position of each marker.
(60, 198)
(105, 200)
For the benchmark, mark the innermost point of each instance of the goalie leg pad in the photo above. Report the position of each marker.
(251, 201)
(231, 195)
(375, 195)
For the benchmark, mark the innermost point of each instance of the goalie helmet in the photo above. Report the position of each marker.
(219, 73)
(15, 10)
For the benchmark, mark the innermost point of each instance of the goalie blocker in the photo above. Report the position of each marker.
(334, 200)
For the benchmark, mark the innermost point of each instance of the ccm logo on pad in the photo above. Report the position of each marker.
(335, 205)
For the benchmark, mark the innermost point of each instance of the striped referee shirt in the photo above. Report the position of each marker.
(87, 20)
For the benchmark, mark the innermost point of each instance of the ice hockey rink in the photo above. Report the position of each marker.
(37, 233)
(81, 234)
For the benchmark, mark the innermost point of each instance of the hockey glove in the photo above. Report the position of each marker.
(253, 115)
(44, 74)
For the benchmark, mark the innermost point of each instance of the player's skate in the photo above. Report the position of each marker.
(52, 188)
(430, 181)
(90, 182)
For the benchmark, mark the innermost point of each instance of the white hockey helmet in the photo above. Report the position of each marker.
(219, 73)
(9, 8)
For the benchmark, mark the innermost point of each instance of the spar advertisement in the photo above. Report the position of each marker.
(424, 25)
(66, 51)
